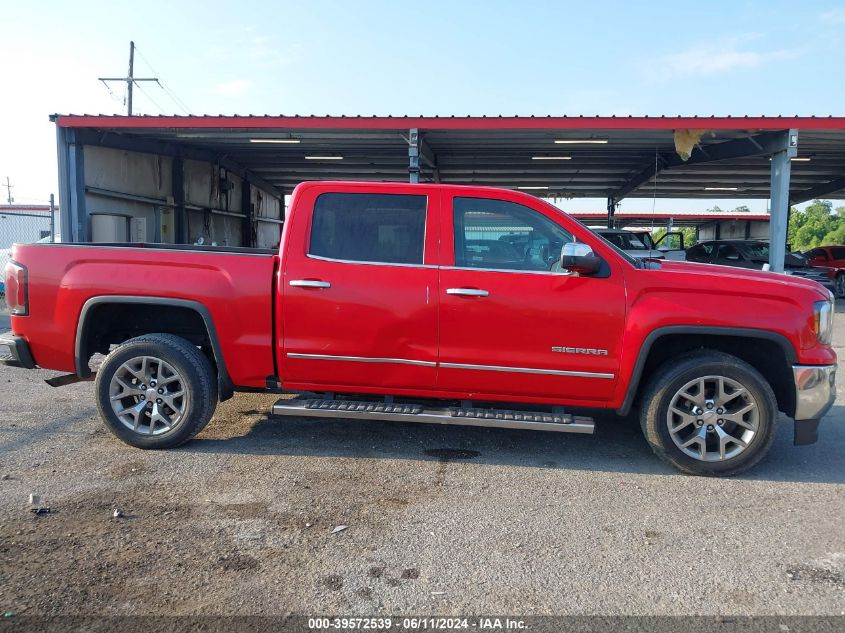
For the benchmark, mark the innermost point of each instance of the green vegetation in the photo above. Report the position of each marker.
(817, 225)
(688, 232)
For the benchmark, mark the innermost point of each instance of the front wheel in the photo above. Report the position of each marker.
(709, 413)
(156, 391)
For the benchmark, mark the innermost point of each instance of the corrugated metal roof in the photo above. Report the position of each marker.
(499, 121)
(503, 151)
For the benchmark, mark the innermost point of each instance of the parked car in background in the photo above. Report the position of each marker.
(641, 245)
(832, 258)
(755, 254)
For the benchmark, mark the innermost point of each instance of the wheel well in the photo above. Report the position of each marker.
(108, 324)
(765, 355)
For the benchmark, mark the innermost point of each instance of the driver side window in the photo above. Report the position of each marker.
(500, 235)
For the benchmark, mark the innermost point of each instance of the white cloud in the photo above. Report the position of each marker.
(713, 59)
(834, 16)
(233, 88)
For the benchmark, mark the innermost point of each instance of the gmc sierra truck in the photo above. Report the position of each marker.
(431, 303)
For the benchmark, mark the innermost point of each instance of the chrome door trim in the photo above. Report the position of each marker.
(363, 359)
(528, 370)
(467, 292)
(309, 283)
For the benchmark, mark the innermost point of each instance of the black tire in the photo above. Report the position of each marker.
(839, 286)
(672, 376)
(197, 377)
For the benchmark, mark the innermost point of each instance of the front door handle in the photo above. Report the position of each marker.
(467, 292)
(309, 283)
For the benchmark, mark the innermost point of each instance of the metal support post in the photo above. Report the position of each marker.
(52, 218)
(781, 167)
(413, 155)
(611, 213)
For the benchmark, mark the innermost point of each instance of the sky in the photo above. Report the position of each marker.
(434, 58)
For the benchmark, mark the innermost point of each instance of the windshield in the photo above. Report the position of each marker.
(756, 250)
(626, 241)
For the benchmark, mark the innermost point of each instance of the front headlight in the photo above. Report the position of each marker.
(823, 313)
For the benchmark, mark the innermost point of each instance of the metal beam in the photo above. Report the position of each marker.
(180, 222)
(413, 155)
(797, 197)
(781, 167)
(761, 144)
(611, 212)
(248, 224)
(78, 214)
(66, 222)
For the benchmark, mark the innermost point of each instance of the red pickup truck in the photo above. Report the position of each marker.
(431, 303)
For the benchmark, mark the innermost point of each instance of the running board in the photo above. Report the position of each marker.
(467, 416)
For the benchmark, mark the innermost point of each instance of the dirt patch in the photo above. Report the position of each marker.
(237, 562)
(332, 582)
(128, 469)
(812, 574)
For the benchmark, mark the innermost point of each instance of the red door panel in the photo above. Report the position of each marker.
(531, 332)
(528, 331)
(346, 323)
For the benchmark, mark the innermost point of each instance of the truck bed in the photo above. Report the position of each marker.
(233, 286)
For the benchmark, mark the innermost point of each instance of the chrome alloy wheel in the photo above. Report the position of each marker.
(713, 418)
(148, 395)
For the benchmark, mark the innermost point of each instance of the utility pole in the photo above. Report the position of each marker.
(130, 79)
(9, 186)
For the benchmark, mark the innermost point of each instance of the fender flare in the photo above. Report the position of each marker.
(656, 335)
(224, 382)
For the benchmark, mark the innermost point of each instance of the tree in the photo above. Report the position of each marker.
(688, 232)
(816, 225)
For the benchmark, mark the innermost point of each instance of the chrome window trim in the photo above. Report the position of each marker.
(363, 359)
(528, 370)
(368, 263)
(426, 363)
(509, 270)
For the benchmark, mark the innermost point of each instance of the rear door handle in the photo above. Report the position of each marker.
(467, 292)
(309, 283)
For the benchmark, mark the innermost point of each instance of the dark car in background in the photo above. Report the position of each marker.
(755, 254)
(831, 257)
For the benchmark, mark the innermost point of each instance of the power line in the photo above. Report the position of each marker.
(144, 92)
(170, 93)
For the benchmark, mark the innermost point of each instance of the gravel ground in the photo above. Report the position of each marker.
(440, 520)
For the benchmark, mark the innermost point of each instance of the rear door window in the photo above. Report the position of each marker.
(365, 227)
(838, 253)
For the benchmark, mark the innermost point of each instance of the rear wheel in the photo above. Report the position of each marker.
(156, 391)
(709, 413)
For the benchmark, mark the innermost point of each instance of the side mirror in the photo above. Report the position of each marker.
(577, 257)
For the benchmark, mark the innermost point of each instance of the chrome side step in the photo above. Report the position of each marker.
(467, 416)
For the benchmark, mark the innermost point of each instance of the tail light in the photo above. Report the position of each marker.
(16, 289)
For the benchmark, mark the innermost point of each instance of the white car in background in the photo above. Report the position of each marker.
(641, 245)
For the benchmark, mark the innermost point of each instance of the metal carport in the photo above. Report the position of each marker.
(786, 159)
